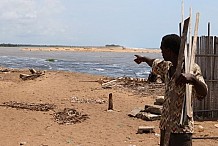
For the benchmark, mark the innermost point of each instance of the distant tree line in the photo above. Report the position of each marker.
(10, 45)
(113, 45)
(29, 45)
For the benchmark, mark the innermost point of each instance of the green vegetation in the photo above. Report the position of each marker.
(50, 60)
(28, 45)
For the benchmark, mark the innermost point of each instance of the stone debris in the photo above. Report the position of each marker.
(5, 70)
(69, 116)
(142, 114)
(91, 101)
(138, 85)
(23, 143)
(135, 111)
(109, 84)
(148, 113)
(200, 128)
(159, 100)
(148, 116)
(154, 109)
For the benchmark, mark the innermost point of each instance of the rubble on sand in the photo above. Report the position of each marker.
(69, 116)
(5, 70)
(91, 101)
(149, 112)
(139, 86)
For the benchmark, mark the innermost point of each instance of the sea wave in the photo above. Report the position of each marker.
(100, 63)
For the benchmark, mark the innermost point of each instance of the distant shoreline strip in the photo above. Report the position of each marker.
(89, 49)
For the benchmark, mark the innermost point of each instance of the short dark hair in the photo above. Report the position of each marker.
(171, 41)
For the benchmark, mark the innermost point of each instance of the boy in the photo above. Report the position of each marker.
(180, 135)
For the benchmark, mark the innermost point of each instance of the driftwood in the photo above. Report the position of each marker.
(4, 70)
(34, 74)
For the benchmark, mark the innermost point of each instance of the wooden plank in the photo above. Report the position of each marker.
(208, 76)
(181, 51)
(202, 51)
(209, 70)
(200, 60)
(186, 108)
(195, 105)
(177, 73)
(191, 63)
(216, 59)
(215, 74)
(212, 98)
(203, 65)
(197, 50)
(208, 62)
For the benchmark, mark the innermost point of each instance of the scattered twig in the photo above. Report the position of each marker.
(69, 116)
(29, 106)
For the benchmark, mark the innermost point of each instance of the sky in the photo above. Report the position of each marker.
(129, 23)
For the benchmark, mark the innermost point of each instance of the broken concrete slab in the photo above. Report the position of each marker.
(148, 116)
(135, 111)
(159, 100)
(154, 109)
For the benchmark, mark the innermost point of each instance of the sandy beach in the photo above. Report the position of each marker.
(94, 49)
(29, 110)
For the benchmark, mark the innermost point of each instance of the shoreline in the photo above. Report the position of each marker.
(93, 49)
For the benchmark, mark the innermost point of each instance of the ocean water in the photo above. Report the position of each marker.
(100, 63)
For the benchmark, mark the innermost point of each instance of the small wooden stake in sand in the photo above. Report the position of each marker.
(110, 103)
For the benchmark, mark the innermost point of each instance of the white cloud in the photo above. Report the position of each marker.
(35, 19)
(17, 10)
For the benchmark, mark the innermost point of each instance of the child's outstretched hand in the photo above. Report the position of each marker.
(138, 59)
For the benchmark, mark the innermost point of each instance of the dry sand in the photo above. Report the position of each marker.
(94, 49)
(102, 128)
